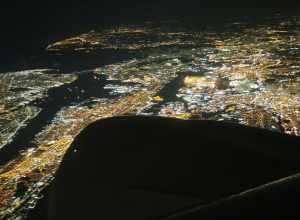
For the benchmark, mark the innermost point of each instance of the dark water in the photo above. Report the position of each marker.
(86, 86)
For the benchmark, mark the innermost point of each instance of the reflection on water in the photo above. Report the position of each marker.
(246, 73)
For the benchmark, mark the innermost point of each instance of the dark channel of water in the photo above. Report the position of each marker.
(69, 61)
(170, 90)
(87, 85)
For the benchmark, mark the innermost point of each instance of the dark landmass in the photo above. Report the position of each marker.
(163, 168)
